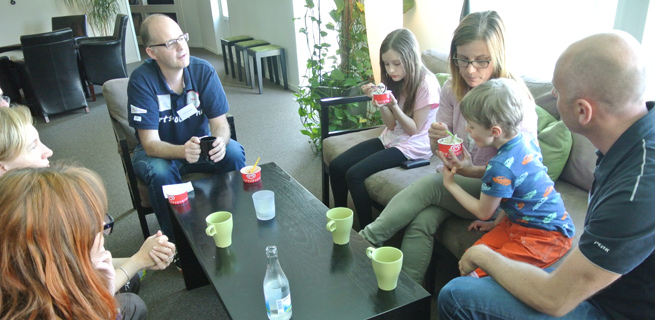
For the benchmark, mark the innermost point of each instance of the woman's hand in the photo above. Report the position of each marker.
(101, 260)
(156, 253)
(437, 131)
(480, 225)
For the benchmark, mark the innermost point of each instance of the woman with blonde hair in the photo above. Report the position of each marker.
(477, 54)
(20, 147)
(53, 261)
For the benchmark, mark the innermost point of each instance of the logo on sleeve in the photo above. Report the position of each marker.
(136, 110)
(192, 98)
(601, 246)
(164, 102)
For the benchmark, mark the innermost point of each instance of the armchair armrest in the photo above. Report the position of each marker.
(324, 118)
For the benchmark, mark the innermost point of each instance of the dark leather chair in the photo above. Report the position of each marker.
(103, 58)
(115, 93)
(9, 79)
(77, 23)
(54, 77)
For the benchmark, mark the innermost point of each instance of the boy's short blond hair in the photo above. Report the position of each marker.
(497, 102)
(13, 127)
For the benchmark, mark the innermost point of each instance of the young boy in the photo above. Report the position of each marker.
(533, 225)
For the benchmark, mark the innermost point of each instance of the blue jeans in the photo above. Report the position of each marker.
(157, 172)
(473, 298)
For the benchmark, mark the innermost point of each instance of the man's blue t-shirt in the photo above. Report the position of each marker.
(516, 174)
(153, 105)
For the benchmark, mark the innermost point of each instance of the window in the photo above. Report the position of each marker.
(224, 11)
(538, 32)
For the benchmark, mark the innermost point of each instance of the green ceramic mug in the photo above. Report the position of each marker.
(387, 262)
(219, 226)
(340, 221)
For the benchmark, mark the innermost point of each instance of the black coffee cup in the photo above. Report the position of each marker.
(205, 146)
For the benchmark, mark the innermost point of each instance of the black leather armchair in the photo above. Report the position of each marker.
(54, 77)
(103, 58)
(77, 23)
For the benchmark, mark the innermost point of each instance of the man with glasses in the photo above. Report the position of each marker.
(174, 100)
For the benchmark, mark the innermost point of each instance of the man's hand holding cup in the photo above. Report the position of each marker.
(192, 150)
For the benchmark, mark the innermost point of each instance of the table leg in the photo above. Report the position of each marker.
(194, 276)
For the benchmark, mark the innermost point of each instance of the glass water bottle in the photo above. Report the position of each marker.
(276, 288)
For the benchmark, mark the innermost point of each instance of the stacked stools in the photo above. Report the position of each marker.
(267, 51)
(241, 49)
(226, 46)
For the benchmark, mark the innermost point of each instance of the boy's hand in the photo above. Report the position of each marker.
(480, 225)
(463, 166)
(449, 176)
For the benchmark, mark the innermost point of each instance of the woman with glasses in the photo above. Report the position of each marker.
(477, 54)
(20, 147)
(54, 264)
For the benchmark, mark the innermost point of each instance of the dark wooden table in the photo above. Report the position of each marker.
(327, 281)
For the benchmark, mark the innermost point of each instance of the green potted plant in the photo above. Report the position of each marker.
(101, 13)
(344, 78)
(351, 68)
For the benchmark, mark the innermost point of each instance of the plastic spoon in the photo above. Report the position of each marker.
(255, 166)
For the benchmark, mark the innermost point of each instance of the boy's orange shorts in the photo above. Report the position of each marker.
(534, 246)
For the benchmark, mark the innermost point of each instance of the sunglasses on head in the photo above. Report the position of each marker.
(108, 225)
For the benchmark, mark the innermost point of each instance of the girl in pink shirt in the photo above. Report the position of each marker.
(407, 119)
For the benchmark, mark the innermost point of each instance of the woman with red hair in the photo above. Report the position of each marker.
(52, 256)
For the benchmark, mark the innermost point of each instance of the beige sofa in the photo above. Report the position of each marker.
(573, 183)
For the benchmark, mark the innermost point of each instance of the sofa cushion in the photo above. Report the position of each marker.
(579, 169)
(555, 142)
(436, 60)
(442, 78)
(336, 145)
(384, 185)
(542, 91)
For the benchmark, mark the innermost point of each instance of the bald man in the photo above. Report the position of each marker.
(174, 100)
(599, 83)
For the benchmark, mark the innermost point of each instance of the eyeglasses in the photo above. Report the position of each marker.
(478, 64)
(170, 44)
(108, 225)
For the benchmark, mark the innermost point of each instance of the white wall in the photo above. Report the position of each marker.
(433, 22)
(206, 17)
(30, 17)
(190, 21)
